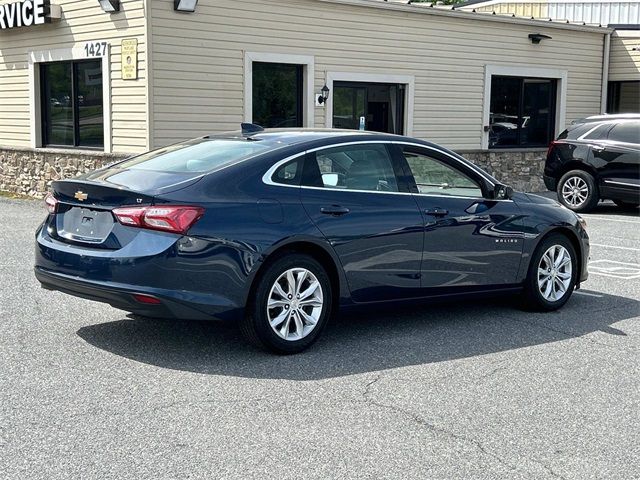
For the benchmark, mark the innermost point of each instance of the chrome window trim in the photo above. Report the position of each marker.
(267, 177)
(584, 136)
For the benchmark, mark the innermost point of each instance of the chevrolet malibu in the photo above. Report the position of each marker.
(277, 229)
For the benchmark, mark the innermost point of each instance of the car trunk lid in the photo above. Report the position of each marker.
(85, 204)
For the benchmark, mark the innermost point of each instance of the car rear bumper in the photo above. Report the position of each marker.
(121, 296)
(550, 182)
(154, 265)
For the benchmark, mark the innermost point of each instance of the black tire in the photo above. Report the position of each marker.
(533, 298)
(626, 205)
(255, 325)
(582, 177)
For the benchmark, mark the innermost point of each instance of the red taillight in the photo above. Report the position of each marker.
(51, 203)
(147, 299)
(552, 145)
(167, 218)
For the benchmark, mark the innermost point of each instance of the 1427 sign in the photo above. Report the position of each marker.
(95, 49)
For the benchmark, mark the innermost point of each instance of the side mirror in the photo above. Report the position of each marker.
(330, 179)
(502, 192)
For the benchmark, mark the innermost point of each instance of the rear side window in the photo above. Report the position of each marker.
(289, 173)
(627, 132)
(575, 131)
(201, 155)
(599, 132)
(354, 167)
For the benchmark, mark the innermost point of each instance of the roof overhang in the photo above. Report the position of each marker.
(483, 17)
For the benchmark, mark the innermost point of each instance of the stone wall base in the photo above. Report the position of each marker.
(521, 169)
(30, 172)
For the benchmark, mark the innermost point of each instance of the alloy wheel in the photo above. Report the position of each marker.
(554, 273)
(295, 304)
(575, 191)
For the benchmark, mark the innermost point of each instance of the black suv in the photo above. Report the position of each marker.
(596, 158)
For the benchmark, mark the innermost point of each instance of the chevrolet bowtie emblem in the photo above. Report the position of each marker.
(80, 195)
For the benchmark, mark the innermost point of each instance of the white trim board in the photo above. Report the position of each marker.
(532, 72)
(65, 55)
(408, 80)
(308, 64)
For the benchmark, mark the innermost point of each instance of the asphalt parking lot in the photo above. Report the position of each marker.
(479, 390)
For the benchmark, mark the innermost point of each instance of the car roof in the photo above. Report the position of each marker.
(608, 118)
(293, 136)
(283, 137)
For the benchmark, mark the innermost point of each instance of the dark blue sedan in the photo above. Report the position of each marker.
(277, 229)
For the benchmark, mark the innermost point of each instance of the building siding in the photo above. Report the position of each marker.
(198, 78)
(82, 21)
(624, 62)
(590, 12)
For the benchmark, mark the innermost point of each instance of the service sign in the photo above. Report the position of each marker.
(25, 14)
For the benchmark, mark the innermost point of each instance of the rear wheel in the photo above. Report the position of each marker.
(291, 305)
(577, 190)
(553, 274)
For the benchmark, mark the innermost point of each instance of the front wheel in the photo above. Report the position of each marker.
(577, 190)
(291, 305)
(553, 274)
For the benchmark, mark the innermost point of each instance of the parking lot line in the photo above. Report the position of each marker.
(588, 294)
(610, 219)
(631, 249)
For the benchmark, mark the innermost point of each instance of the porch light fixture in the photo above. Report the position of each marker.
(537, 37)
(110, 6)
(324, 95)
(185, 5)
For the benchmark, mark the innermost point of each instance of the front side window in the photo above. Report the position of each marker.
(277, 95)
(523, 112)
(72, 104)
(434, 177)
(353, 167)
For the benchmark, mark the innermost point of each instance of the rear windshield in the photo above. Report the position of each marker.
(201, 155)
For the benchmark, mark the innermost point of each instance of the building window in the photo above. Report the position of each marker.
(72, 104)
(623, 97)
(277, 94)
(523, 112)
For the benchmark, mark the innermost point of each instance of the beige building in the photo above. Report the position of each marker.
(80, 86)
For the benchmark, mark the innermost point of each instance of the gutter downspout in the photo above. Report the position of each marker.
(605, 72)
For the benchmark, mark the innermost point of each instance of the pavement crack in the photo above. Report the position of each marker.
(422, 422)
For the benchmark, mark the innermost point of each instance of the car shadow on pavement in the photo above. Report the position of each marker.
(363, 342)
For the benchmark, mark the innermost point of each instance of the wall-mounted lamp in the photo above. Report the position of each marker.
(110, 6)
(324, 95)
(185, 5)
(537, 37)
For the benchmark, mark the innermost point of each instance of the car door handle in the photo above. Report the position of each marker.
(437, 212)
(335, 210)
(597, 148)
